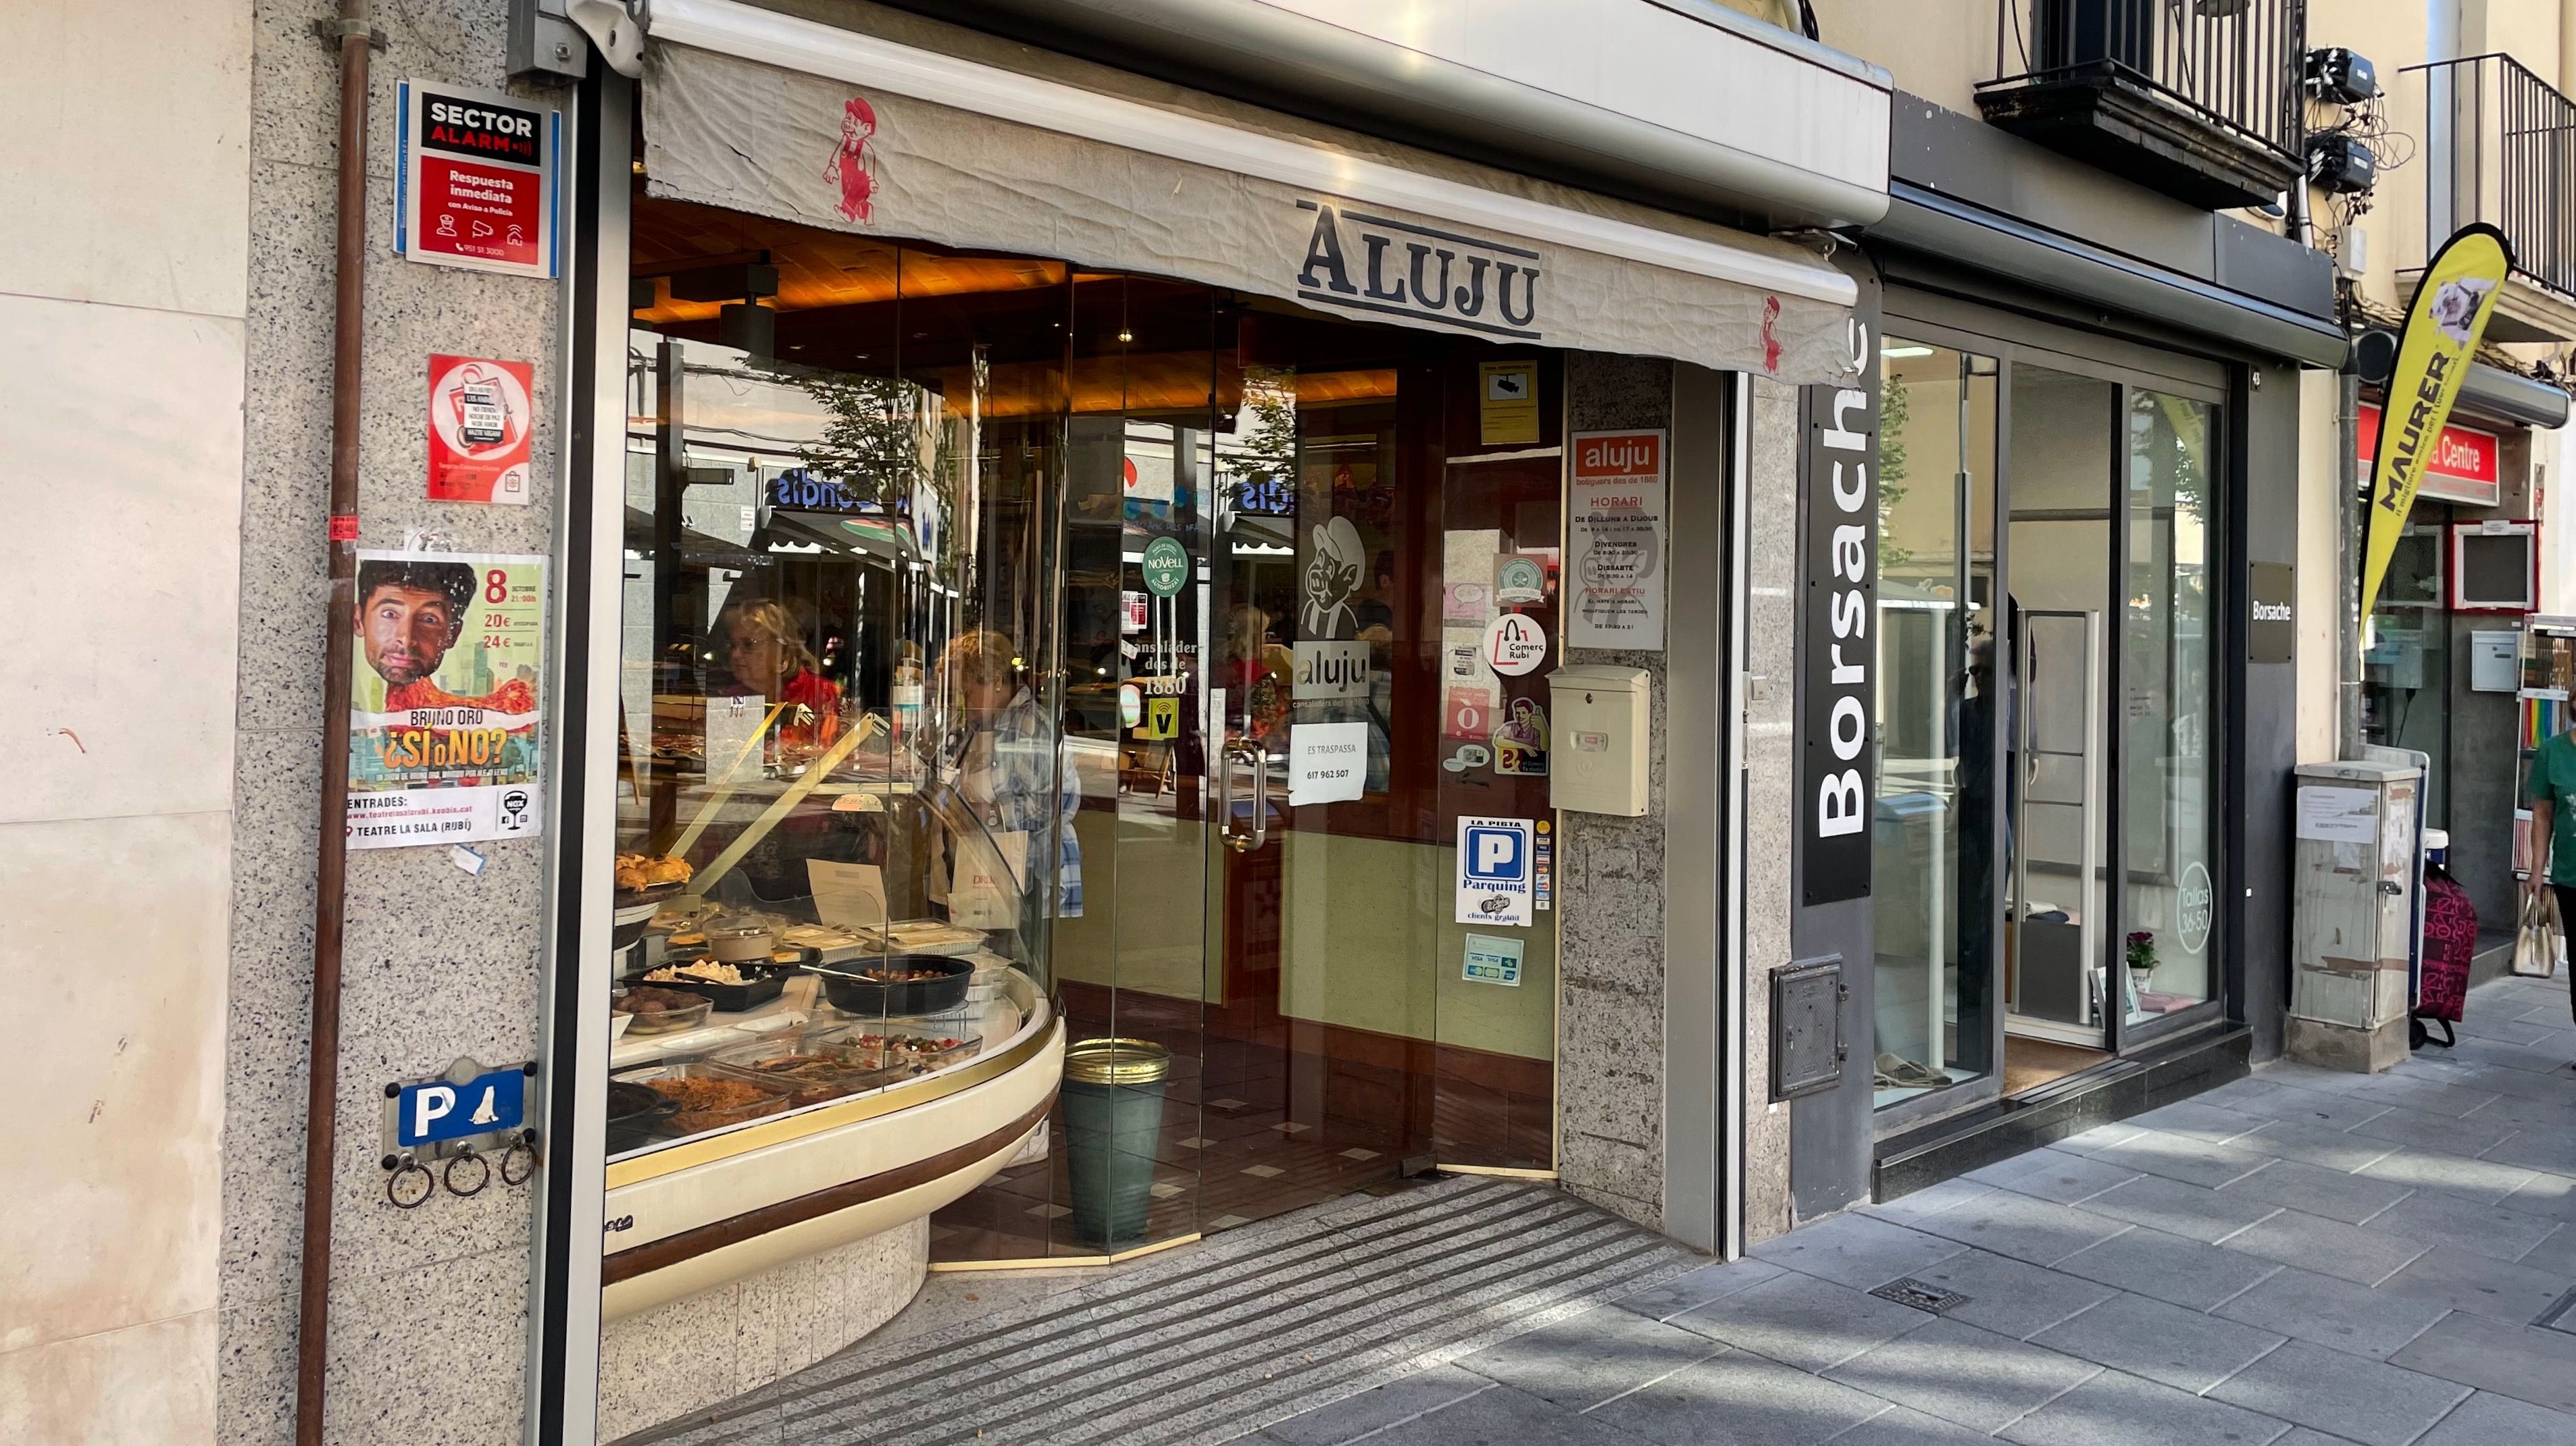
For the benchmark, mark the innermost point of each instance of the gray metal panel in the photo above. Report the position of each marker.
(2264, 525)
(1830, 1132)
(2495, 393)
(1962, 157)
(1269, 56)
(2254, 262)
(1807, 1045)
(1954, 231)
(1697, 667)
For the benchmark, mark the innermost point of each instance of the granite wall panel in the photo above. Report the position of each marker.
(1769, 770)
(1610, 1075)
(429, 1305)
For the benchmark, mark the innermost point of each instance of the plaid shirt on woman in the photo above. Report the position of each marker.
(1033, 785)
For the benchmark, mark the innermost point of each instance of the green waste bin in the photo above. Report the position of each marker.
(1113, 1119)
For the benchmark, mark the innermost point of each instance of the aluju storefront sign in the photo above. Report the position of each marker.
(1434, 243)
(1408, 270)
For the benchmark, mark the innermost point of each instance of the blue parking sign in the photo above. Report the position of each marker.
(1496, 854)
(439, 1109)
(1494, 870)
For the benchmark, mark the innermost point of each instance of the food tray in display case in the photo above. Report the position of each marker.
(636, 1115)
(750, 985)
(814, 1074)
(710, 1096)
(923, 936)
(657, 1010)
(873, 1046)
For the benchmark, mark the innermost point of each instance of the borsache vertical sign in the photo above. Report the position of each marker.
(1837, 664)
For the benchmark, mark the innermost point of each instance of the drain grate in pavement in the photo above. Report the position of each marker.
(1906, 1290)
(2561, 1315)
(1249, 1328)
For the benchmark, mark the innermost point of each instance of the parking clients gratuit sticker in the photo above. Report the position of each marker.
(1494, 870)
(479, 424)
(475, 180)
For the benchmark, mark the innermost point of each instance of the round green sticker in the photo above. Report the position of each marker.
(1167, 566)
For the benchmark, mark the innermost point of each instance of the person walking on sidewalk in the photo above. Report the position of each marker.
(2552, 795)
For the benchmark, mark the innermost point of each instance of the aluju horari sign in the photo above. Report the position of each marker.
(1838, 557)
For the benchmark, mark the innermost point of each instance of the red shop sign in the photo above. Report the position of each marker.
(475, 178)
(2467, 464)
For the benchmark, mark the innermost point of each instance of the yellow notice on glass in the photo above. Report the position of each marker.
(2433, 356)
(1507, 403)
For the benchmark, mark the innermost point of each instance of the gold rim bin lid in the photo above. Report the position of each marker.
(1117, 1062)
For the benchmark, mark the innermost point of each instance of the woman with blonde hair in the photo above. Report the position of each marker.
(1002, 759)
(763, 653)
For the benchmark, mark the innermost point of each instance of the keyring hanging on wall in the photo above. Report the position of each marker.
(482, 1174)
(520, 1160)
(406, 1196)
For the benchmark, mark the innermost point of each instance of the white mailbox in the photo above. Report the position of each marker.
(1600, 745)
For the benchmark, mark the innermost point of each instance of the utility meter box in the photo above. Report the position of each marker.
(2354, 881)
(1599, 763)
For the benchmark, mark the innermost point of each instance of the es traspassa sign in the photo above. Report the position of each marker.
(476, 180)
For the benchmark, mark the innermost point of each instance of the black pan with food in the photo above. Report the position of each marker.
(881, 986)
(635, 1115)
(760, 984)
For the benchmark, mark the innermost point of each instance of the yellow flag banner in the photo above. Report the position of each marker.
(2433, 355)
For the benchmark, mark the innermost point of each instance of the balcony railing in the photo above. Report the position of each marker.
(2200, 99)
(2499, 145)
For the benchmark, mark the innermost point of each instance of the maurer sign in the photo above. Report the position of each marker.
(2464, 465)
(1837, 664)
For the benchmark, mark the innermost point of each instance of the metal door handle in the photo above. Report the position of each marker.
(1245, 751)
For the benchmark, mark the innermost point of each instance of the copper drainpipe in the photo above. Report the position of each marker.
(322, 1075)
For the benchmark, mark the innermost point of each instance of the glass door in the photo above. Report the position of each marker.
(2059, 583)
(2055, 984)
(1368, 536)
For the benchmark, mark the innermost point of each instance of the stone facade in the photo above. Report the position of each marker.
(429, 1321)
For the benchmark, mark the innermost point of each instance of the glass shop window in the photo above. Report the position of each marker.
(844, 805)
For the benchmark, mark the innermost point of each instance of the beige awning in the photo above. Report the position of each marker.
(840, 136)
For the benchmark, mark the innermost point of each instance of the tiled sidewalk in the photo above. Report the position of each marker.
(2300, 1258)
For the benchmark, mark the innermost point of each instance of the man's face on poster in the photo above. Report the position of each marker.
(407, 631)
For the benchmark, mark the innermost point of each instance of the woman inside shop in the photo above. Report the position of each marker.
(1001, 763)
(765, 657)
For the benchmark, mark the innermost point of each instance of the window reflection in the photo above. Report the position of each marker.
(1934, 835)
(844, 807)
(2170, 906)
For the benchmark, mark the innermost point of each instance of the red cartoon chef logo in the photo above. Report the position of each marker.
(1770, 343)
(851, 167)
